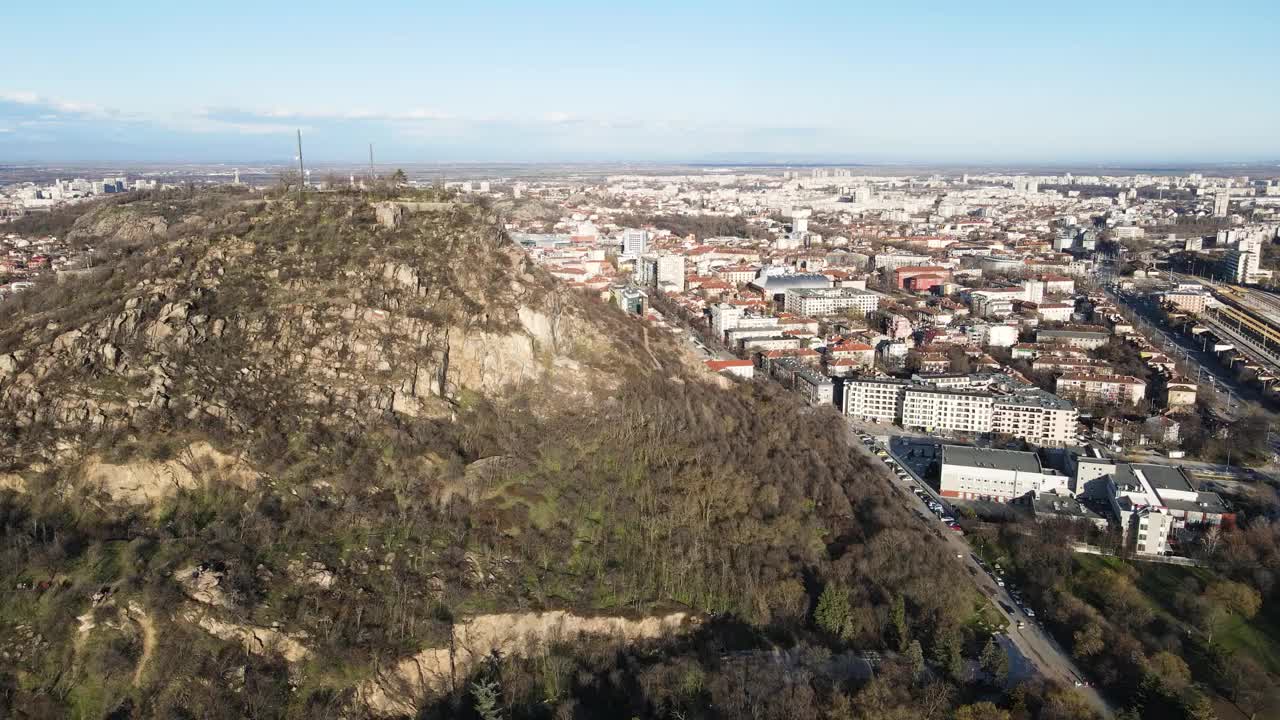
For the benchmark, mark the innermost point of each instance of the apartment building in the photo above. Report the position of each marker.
(978, 403)
(737, 274)
(1188, 302)
(664, 272)
(1035, 416)
(875, 400)
(1104, 388)
(937, 409)
(1083, 339)
(819, 302)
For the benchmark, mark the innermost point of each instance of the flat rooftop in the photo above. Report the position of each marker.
(1013, 460)
(1160, 477)
(829, 292)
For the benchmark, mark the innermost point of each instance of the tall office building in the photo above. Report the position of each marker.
(1221, 202)
(635, 242)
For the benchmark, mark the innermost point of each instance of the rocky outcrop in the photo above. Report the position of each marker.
(147, 482)
(257, 640)
(403, 687)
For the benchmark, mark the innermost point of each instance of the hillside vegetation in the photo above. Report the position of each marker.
(269, 458)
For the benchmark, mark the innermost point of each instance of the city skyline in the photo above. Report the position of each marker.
(574, 83)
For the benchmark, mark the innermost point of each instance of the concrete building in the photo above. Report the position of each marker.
(635, 242)
(662, 272)
(970, 473)
(874, 400)
(1083, 339)
(936, 409)
(977, 404)
(1036, 416)
(725, 317)
(893, 261)
(816, 389)
(1104, 388)
(819, 302)
(1188, 302)
(990, 305)
(1151, 501)
(1221, 203)
(1055, 506)
(1240, 266)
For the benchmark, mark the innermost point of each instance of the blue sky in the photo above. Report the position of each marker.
(977, 82)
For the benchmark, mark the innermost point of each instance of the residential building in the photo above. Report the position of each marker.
(1083, 339)
(820, 302)
(1188, 302)
(1035, 416)
(664, 272)
(936, 409)
(742, 368)
(875, 400)
(1105, 388)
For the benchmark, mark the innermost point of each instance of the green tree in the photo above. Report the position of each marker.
(485, 695)
(834, 613)
(898, 622)
(947, 651)
(995, 661)
(914, 658)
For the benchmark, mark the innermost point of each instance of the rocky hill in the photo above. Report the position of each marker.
(217, 315)
(270, 457)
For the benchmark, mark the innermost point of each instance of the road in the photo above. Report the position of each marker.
(1199, 362)
(1035, 647)
(1239, 397)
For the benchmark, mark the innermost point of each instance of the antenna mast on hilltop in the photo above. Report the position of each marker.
(371, 176)
(302, 172)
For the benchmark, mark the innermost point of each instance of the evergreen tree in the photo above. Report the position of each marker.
(834, 614)
(898, 619)
(914, 657)
(995, 661)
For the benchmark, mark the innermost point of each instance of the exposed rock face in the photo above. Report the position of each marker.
(145, 482)
(211, 327)
(257, 640)
(400, 690)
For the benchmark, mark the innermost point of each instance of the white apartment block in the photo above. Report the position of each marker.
(893, 261)
(1113, 389)
(1038, 418)
(950, 410)
(664, 272)
(724, 317)
(635, 242)
(818, 302)
(963, 404)
(874, 400)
